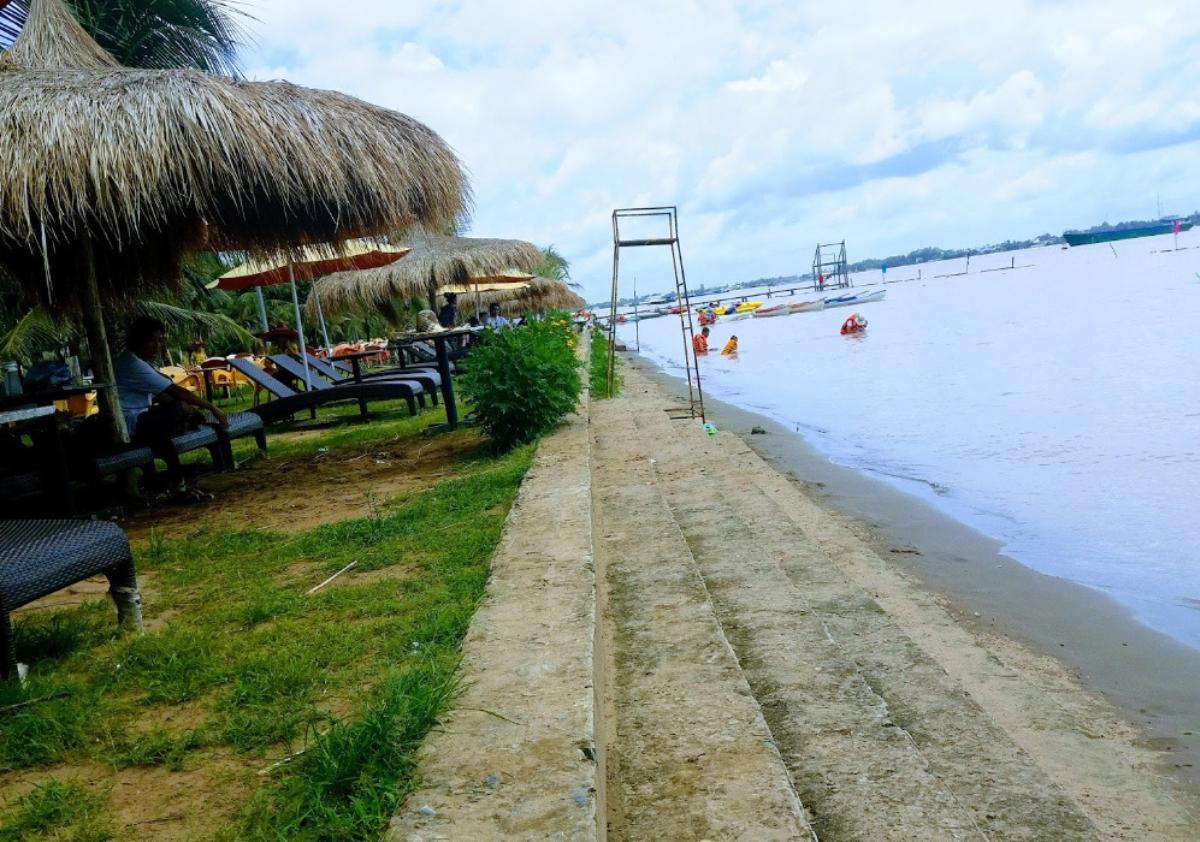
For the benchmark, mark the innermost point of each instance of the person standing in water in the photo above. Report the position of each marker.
(731, 347)
(700, 342)
(854, 325)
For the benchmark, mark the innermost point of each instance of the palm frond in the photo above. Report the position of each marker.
(193, 324)
(153, 34)
(36, 331)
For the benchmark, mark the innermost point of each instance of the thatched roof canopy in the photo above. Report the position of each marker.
(433, 263)
(149, 164)
(538, 296)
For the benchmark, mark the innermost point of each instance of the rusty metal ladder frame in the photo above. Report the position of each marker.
(682, 298)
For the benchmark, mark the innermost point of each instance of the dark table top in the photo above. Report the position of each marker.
(406, 338)
(47, 398)
(359, 355)
(24, 413)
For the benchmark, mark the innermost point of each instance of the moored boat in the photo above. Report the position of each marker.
(856, 299)
(807, 306)
(736, 317)
(767, 312)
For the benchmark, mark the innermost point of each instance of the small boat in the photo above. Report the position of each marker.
(736, 317)
(856, 299)
(807, 306)
(767, 312)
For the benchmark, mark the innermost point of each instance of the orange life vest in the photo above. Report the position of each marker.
(700, 343)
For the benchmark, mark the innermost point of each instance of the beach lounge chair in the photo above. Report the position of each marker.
(294, 368)
(39, 557)
(219, 442)
(429, 379)
(287, 401)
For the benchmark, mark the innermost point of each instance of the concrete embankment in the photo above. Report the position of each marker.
(678, 643)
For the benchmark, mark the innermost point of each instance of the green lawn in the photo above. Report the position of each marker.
(243, 668)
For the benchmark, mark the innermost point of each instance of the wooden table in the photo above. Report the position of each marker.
(50, 449)
(439, 340)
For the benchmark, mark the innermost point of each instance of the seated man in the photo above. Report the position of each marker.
(156, 409)
(495, 319)
(448, 315)
(700, 342)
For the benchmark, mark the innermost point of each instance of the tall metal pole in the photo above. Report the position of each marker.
(637, 320)
(300, 328)
(321, 319)
(612, 313)
(262, 309)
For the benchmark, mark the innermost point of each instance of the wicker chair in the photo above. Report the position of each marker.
(39, 557)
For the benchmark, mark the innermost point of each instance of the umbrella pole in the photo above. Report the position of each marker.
(321, 320)
(477, 302)
(300, 328)
(262, 309)
(97, 337)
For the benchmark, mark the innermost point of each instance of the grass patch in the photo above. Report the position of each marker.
(598, 368)
(64, 811)
(244, 664)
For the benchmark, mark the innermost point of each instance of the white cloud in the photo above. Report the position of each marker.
(773, 123)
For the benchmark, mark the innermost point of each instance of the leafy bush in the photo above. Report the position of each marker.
(598, 370)
(523, 381)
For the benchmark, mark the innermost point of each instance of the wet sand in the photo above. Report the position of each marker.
(1153, 680)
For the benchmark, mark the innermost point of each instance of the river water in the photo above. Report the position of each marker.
(1055, 408)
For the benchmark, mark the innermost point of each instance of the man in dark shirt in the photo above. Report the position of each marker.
(448, 315)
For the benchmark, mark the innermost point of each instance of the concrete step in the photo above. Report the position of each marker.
(847, 694)
(689, 755)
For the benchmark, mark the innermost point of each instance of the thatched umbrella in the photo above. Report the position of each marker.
(108, 175)
(538, 296)
(433, 263)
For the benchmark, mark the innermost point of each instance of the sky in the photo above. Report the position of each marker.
(773, 125)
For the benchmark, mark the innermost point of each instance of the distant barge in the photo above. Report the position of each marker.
(1080, 238)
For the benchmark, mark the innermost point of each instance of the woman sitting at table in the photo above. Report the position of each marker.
(155, 409)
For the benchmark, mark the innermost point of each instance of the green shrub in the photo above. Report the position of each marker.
(598, 370)
(522, 382)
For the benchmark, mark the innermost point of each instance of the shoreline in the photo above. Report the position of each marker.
(1149, 677)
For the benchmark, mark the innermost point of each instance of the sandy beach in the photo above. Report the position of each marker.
(765, 664)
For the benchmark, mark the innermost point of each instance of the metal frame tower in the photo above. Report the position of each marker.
(830, 262)
(682, 299)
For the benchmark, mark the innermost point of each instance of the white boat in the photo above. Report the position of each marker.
(768, 312)
(856, 299)
(735, 317)
(807, 306)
